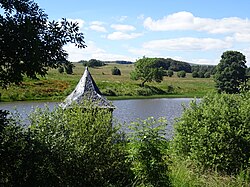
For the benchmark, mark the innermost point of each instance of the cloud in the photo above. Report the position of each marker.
(76, 54)
(205, 61)
(187, 21)
(123, 36)
(123, 28)
(93, 52)
(242, 37)
(187, 44)
(143, 52)
(97, 26)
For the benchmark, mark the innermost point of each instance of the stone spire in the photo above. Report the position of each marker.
(86, 90)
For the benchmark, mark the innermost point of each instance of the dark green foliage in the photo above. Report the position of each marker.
(147, 70)
(204, 68)
(123, 62)
(115, 71)
(170, 73)
(93, 63)
(181, 74)
(207, 75)
(148, 153)
(64, 148)
(195, 74)
(230, 72)
(68, 68)
(60, 69)
(215, 132)
(179, 66)
(30, 44)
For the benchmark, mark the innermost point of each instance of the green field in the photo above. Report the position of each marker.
(56, 86)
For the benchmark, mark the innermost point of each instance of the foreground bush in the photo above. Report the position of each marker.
(215, 133)
(148, 153)
(64, 148)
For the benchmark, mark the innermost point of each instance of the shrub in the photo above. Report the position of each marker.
(170, 73)
(215, 132)
(147, 148)
(64, 148)
(207, 75)
(115, 71)
(195, 74)
(60, 69)
(181, 74)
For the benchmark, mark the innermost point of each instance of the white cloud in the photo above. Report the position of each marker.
(242, 37)
(93, 52)
(123, 28)
(205, 61)
(187, 21)
(98, 28)
(187, 44)
(246, 52)
(123, 36)
(76, 54)
(143, 52)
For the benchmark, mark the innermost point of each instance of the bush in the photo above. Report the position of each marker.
(181, 74)
(170, 73)
(195, 74)
(64, 148)
(215, 132)
(207, 75)
(115, 71)
(60, 69)
(148, 155)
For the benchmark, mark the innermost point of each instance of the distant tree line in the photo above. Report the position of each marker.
(203, 71)
(97, 63)
(92, 63)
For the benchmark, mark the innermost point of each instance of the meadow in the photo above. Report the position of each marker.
(56, 86)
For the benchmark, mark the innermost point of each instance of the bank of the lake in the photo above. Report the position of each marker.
(56, 86)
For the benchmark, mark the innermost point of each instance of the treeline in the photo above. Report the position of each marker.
(97, 63)
(203, 71)
(174, 65)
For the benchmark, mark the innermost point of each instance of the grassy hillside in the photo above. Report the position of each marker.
(56, 86)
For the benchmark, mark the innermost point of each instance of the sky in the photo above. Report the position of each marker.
(195, 31)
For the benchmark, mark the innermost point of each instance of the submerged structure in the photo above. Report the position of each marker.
(87, 91)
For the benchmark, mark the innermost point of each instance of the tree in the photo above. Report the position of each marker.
(147, 70)
(181, 74)
(170, 73)
(30, 44)
(195, 74)
(230, 72)
(116, 71)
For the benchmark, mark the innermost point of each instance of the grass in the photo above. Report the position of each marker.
(56, 86)
(184, 173)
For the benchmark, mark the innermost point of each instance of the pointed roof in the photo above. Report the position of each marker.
(87, 89)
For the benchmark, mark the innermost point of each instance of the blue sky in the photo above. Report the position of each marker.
(196, 31)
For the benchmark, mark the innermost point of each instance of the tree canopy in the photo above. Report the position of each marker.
(30, 43)
(147, 70)
(230, 72)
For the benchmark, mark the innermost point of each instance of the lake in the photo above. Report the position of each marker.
(126, 110)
